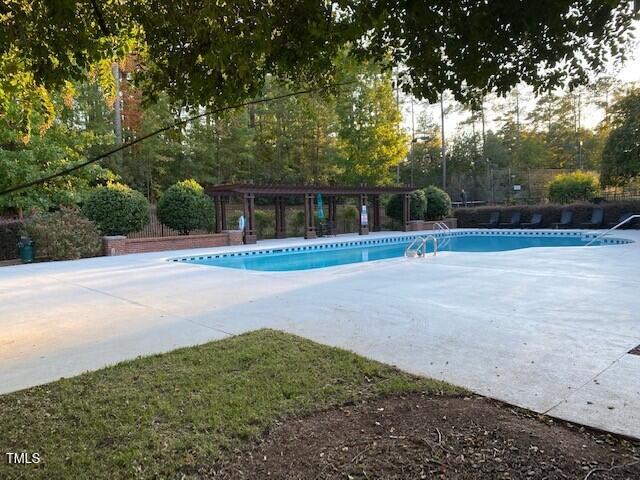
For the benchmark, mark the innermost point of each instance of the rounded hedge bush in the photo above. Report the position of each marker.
(575, 186)
(117, 209)
(417, 206)
(185, 207)
(265, 224)
(438, 203)
(64, 235)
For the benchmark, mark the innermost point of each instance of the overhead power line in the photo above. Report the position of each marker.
(126, 145)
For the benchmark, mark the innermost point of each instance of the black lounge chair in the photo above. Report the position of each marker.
(514, 222)
(566, 219)
(494, 219)
(622, 218)
(536, 221)
(597, 218)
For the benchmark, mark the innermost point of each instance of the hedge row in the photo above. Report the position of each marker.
(9, 236)
(473, 217)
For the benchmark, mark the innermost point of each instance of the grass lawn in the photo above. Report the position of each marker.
(166, 415)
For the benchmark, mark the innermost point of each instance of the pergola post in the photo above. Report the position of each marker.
(406, 212)
(332, 214)
(281, 222)
(363, 215)
(376, 213)
(218, 212)
(309, 217)
(250, 219)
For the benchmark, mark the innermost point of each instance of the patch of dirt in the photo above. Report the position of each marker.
(635, 350)
(417, 436)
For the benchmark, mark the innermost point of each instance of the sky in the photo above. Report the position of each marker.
(629, 72)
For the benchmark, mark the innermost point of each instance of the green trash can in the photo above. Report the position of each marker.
(27, 249)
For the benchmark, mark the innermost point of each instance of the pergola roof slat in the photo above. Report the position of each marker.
(278, 190)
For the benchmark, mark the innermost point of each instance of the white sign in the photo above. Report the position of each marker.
(364, 219)
(517, 188)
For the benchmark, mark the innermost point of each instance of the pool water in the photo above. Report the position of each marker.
(341, 253)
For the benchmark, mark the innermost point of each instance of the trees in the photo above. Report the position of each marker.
(370, 140)
(621, 154)
(223, 51)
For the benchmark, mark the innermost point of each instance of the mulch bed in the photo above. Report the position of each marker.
(417, 436)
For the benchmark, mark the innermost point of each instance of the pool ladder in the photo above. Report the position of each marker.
(421, 250)
(445, 228)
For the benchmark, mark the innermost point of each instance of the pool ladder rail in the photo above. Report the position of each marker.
(421, 250)
(445, 228)
(626, 220)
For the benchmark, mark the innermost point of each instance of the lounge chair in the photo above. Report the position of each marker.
(494, 219)
(513, 223)
(536, 221)
(566, 219)
(622, 218)
(597, 218)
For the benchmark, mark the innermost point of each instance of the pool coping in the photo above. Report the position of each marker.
(335, 242)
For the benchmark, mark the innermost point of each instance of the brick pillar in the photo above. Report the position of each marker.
(114, 245)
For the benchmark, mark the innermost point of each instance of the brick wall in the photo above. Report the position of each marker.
(417, 225)
(124, 245)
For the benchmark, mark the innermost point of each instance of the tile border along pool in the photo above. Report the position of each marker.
(548, 329)
(395, 238)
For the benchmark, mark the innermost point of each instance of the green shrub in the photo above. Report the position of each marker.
(572, 187)
(417, 206)
(64, 235)
(438, 203)
(472, 217)
(297, 223)
(117, 209)
(9, 236)
(350, 215)
(185, 207)
(265, 224)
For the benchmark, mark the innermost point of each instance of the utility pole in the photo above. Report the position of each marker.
(413, 139)
(398, 107)
(117, 105)
(442, 146)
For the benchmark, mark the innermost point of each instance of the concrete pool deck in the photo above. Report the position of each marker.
(543, 328)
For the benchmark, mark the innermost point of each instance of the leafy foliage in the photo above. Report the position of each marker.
(9, 235)
(265, 223)
(185, 207)
(621, 155)
(64, 235)
(438, 203)
(570, 187)
(187, 45)
(417, 206)
(66, 142)
(117, 209)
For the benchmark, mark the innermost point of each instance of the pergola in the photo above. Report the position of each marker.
(248, 192)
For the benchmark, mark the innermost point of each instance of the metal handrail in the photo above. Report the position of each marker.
(435, 245)
(420, 239)
(442, 226)
(423, 246)
(628, 219)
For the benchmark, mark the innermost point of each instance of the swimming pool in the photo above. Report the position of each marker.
(306, 257)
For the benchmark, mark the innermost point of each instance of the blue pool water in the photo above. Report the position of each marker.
(341, 253)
